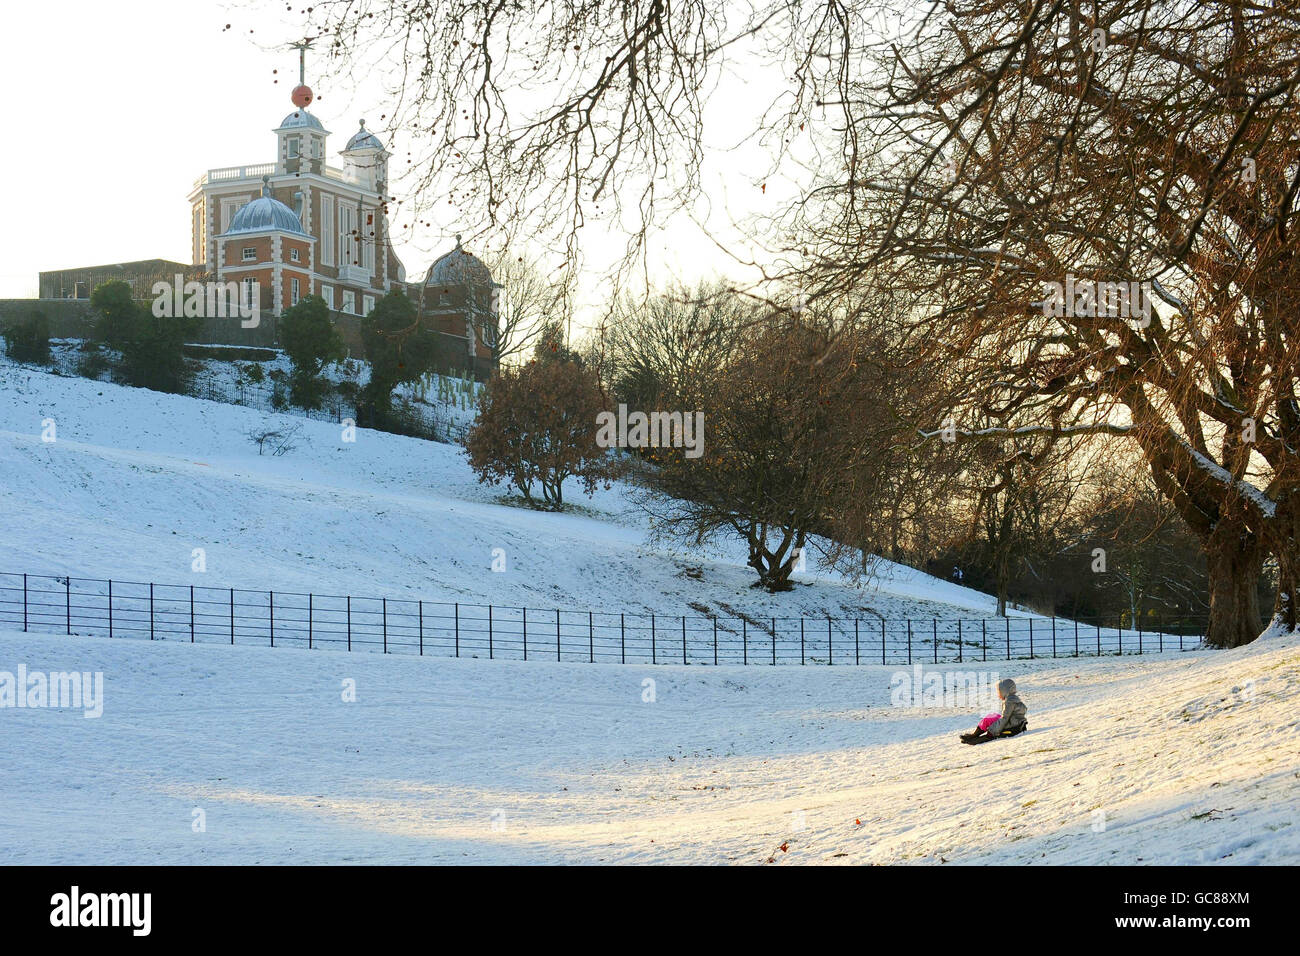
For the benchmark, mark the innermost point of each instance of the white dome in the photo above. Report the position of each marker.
(363, 139)
(459, 267)
(263, 214)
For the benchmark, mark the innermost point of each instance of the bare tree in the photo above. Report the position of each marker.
(1029, 163)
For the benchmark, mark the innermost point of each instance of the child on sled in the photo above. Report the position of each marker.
(1006, 724)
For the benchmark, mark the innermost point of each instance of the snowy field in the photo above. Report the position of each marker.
(136, 480)
(1178, 759)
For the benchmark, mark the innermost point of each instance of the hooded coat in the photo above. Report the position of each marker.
(1013, 708)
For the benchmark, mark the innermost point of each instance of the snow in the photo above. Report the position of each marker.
(136, 480)
(1190, 759)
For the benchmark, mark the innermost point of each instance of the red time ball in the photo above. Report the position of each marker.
(302, 96)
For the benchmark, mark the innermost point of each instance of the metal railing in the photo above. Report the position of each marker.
(204, 614)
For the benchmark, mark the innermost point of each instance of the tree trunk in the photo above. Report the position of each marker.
(1284, 540)
(1234, 559)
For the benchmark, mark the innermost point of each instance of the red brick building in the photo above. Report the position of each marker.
(299, 226)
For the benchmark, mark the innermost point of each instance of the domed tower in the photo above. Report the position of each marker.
(300, 144)
(365, 161)
(266, 248)
(460, 292)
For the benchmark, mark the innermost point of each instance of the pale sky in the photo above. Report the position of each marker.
(112, 110)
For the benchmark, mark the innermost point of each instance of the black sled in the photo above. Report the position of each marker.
(981, 737)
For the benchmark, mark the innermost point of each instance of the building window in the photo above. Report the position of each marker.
(349, 301)
(293, 147)
(294, 256)
(444, 297)
(327, 293)
(248, 293)
(368, 242)
(347, 235)
(250, 253)
(297, 204)
(295, 292)
(367, 304)
(327, 231)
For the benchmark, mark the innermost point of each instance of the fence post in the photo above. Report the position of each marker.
(525, 610)
(1076, 637)
(744, 640)
(272, 606)
(232, 616)
(622, 637)
(683, 638)
(1031, 638)
(830, 644)
(151, 610)
(959, 642)
(1161, 632)
(67, 583)
(420, 609)
(652, 640)
(349, 622)
(591, 638)
(801, 641)
(715, 640)
(1120, 636)
(191, 614)
(882, 640)
(1099, 637)
(1008, 620)
(857, 644)
(984, 639)
(773, 642)
(934, 637)
(1139, 617)
(456, 625)
(110, 607)
(909, 640)
(557, 634)
(24, 602)
(385, 609)
(490, 650)
(1053, 635)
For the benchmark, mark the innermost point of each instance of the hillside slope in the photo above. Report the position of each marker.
(137, 479)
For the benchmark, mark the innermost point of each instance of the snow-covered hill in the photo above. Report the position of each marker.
(217, 754)
(136, 480)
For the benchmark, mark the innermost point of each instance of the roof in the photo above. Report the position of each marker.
(459, 267)
(265, 214)
(363, 139)
(301, 119)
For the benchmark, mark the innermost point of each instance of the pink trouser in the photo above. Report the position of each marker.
(989, 721)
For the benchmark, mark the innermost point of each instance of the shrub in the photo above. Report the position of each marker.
(536, 426)
(311, 342)
(28, 339)
(399, 350)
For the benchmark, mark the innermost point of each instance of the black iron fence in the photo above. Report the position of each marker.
(203, 614)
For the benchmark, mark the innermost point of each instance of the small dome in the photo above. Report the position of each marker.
(363, 139)
(459, 267)
(301, 119)
(262, 214)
